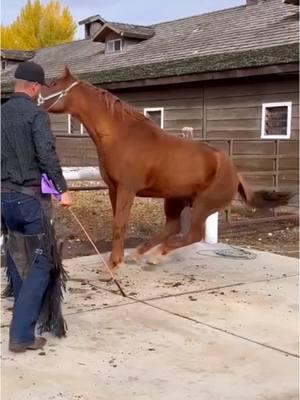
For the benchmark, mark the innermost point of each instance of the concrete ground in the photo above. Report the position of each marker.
(198, 326)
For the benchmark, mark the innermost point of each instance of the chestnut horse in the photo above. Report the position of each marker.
(137, 158)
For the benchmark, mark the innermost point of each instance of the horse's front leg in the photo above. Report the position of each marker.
(113, 198)
(124, 201)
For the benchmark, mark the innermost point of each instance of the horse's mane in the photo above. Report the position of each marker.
(111, 101)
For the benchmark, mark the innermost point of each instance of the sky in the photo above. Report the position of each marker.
(143, 12)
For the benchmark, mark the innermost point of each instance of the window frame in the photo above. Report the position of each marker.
(161, 109)
(70, 125)
(287, 104)
(113, 41)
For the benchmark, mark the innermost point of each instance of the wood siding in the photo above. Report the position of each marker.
(76, 151)
(236, 110)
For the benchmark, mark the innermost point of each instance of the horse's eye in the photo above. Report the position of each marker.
(52, 83)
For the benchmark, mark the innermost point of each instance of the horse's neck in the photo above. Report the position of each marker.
(93, 113)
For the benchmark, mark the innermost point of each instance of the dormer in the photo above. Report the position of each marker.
(14, 57)
(117, 37)
(92, 25)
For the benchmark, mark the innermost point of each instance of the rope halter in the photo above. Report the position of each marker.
(41, 100)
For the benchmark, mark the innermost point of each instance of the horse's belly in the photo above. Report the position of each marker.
(169, 191)
(149, 193)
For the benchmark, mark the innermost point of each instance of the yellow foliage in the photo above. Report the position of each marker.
(38, 26)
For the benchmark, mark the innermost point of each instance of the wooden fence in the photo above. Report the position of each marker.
(274, 164)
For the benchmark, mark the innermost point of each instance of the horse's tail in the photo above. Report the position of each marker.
(262, 198)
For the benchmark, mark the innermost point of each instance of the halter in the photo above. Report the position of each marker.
(61, 94)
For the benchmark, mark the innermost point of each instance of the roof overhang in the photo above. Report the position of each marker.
(100, 35)
(283, 70)
(273, 60)
(16, 55)
(275, 70)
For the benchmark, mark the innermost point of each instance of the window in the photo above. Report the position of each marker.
(3, 64)
(156, 114)
(276, 120)
(114, 46)
(74, 126)
(87, 31)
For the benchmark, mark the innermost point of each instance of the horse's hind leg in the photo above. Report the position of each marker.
(173, 209)
(200, 212)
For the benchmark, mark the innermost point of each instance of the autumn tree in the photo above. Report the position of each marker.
(39, 25)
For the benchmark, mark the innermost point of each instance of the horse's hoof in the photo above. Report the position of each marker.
(120, 265)
(114, 266)
(133, 258)
(153, 260)
(105, 279)
(108, 274)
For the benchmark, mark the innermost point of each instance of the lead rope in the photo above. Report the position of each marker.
(99, 254)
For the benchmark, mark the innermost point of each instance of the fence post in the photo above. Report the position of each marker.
(275, 171)
(212, 228)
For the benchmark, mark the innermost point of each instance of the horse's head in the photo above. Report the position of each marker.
(55, 97)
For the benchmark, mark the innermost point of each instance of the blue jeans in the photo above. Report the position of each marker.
(23, 213)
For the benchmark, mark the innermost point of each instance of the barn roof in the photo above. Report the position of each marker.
(17, 55)
(240, 37)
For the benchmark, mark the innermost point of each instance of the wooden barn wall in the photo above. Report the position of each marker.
(59, 123)
(225, 110)
(76, 151)
(227, 115)
(235, 111)
(183, 107)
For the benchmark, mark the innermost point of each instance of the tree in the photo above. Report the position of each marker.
(38, 26)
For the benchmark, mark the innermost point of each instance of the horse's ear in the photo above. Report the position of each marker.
(67, 72)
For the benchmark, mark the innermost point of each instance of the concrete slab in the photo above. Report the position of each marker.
(265, 312)
(80, 296)
(210, 332)
(85, 297)
(137, 352)
(194, 268)
(6, 310)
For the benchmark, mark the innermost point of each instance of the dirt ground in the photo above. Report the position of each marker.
(94, 211)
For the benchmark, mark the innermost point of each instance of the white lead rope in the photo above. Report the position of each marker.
(98, 252)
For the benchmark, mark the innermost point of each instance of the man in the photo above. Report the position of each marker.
(27, 152)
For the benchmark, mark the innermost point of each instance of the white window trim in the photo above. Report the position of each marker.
(81, 129)
(287, 104)
(113, 41)
(70, 125)
(161, 109)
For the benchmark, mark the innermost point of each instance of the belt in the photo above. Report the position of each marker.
(30, 190)
(6, 190)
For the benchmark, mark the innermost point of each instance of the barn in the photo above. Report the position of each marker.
(228, 77)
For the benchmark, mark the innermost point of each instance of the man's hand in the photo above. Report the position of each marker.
(66, 200)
